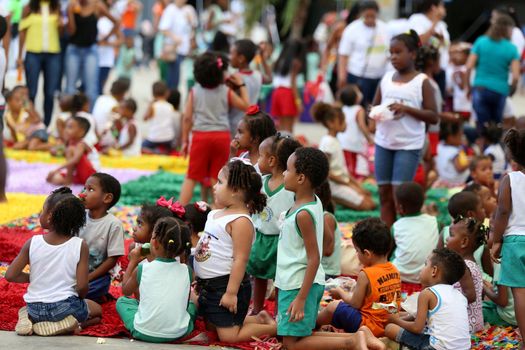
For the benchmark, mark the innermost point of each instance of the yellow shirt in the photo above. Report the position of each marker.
(42, 31)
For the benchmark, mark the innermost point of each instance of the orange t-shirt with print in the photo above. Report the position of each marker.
(385, 287)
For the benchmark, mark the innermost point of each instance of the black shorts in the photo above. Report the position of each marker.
(210, 294)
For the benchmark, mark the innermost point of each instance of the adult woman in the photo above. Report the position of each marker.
(39, 33)
(81, 53)
(176, 24)
(493, 56)
(363, 51)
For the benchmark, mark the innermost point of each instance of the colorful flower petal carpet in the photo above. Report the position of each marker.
(143, 179)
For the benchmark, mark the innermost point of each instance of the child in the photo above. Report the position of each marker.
(129, 141)
(242, 53)
(331, 259)
(255, 127)
(488, 201)
(274, 152)
(481, 172)
(399, 141)
(195, 215)
(492, 137)
(507, 236)
(441, 321)
(57, 129)
(346, 191)
(499, 309)
(378, 282)
(159, 317)
(467, 235)
(300, 276)
(415, 234)
(80, 107)
(58, 280)
(81, 159)
(223, 251)
(162, 119)
(23, 126)
(126, 58)
(356, 138)
(451, 163)
(206, 117)
(286, 103)
(461, 103)
(103, 232)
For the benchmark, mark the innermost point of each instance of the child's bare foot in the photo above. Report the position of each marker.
(360, 341)
(264, 317)
(371, 341)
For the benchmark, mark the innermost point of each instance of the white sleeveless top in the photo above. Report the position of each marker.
(53, 275)
(160, 127)
(447, 323)
(214, 252)
(352, 139)
(516, 225)
(134, 149)
(407, 133)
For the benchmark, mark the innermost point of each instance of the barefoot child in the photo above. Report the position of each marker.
(58, 280)
(129, 141)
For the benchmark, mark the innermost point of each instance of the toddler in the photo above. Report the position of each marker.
(461, 103)
(481, 172)
(58, 280)
(451, 163)
(492, 139)
(129, 141)
(195, 215)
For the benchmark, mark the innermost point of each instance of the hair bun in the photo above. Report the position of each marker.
(62, 190)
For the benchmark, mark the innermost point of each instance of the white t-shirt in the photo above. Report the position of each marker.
(331, 146)
(91, 138)
(461, 102)
(499, 162)
(446, 155)
(179, 21)
(518, 39)
(421, 24)
(366, 47)
(135, 148)
(352, 139)
(106, 54)
(102, 112)
(166, 120)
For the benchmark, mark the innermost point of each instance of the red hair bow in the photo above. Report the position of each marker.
(253, 110)
(175, 207)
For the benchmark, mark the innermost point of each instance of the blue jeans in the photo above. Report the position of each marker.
(173, 74)
(54, 312)
(99, 287)
(395, 166)
(367, 86)
(103, 74)
(488, 105)
(82, 64)
(49, 64)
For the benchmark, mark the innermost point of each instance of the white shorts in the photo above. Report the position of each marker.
(347, 193)
(508, 111)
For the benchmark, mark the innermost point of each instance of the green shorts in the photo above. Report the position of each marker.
(263, 257)
(490, 315)
(304, 327)
(513, 262)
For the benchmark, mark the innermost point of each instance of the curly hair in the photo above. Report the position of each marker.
(209, 69)
(283, 146)
(450, 262)
(410, 39)
(411, 196)
(195, 218)
(174, 236)
(246, 48)
(109, 185)
(492, 132)
(349, 94)
(374, 235)
(325, 195)
(260, 126)
(462, 202)
(474, 228)
(425, 56)
(476, 160)
(244, 177)
(515, 142)
(313, 163)
(447, 129)
(78, 102)
(82, 122)
(324, 113)
(67, 212)
(152, 213)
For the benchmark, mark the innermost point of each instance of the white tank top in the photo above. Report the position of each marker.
(516, 225)
(160, 127)
(135, 147)
(214, 252)
(407, 133)
(352, 139)
(53, 275)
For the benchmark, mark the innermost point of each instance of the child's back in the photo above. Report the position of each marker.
(210, 108)
(161, 126)
(124, 136)
(352, 139)
(253, 81)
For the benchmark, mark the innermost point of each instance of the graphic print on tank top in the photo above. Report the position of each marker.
(202, 253)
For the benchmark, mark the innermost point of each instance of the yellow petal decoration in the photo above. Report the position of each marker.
(20, 205)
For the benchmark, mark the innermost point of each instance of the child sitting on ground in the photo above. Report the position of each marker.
(415, 234)
(498, 310)
(58, 280)
(481, 172)
(195, 215)
(467, 235)
(346, 190)
(441, 321)
(129, 141)
(81, 158)
(274, 152)
(159, 317)
(378, 282)
(103, 232)
(451, 162)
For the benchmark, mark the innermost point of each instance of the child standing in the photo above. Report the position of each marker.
(126, 58)
(159, 317)
(452, 163)
(508, 235)
(461, 103)
(274, 152)
(356, 138)
(345, 190)
(129, 141)
(103, 232)
(222, 254)
(206, 117)
(441, 320)
(58, 280)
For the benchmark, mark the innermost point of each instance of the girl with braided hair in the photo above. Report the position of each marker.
(165, 312)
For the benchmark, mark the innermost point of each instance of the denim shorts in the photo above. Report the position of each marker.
(54, 312)
(395, 166)
(40, 134)
(414, 341)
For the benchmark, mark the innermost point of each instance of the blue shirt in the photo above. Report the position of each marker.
(493, 66)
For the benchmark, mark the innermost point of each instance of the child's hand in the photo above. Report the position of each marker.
(337, 293)
(234, 146)
(495, 252)
(229, 301)
(487, 286)
(184, 149)
(296, 310)
(399, 109)
(392, 318)
(134, 255)
(235, 79)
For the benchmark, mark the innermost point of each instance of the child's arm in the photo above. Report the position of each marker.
(130, 282)
(132, 132)
(15, 271)
(149, 112)
(357, 298)
(486, 261)
(103, 268)
(83, 271)
(12, 130)
(501, 219)
(328, 235)
(361, 123)
(472, 61)
(459, 164)
(424, 302)
(115, 249)
(500, 298)
(267, 74)
(74, 157)
(242, 244)
(427, 113)
(241, 101)
(34, 117)
(467, 286)
(187, 124)
(306, 226)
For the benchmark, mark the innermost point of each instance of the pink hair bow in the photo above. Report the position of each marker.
(175, 207)
(219, 62)
(201, 206)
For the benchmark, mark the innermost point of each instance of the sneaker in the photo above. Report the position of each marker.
(66, 326)
(24, 326)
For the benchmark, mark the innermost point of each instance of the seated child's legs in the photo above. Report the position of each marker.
(54, 312)
(99, 287)
(341, 315)
(491, 316)
(349, 197)
(404, 337)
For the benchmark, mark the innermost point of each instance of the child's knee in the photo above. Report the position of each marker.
(95, 310)
(391, 331)
(290, 343)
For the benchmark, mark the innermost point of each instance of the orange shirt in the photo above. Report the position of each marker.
(129, 17)
(385, 287)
